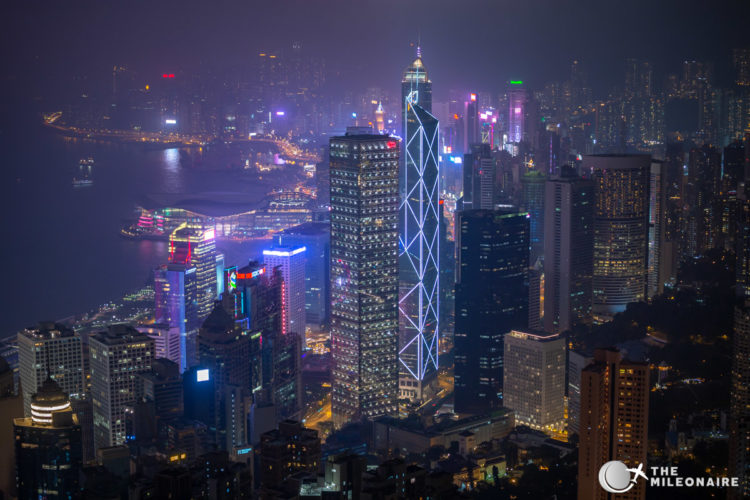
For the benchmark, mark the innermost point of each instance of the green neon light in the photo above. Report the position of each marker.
(516, 82)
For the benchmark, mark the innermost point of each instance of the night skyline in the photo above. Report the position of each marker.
(375, 249)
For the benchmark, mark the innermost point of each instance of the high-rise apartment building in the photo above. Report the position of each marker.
(116, 357)
(50, 350)
(48, 447)
(613, 422)
(491, 300)
(364, 276)
(291, 263)
(196, 248)
(534, 379)
(621, 202)
(419, 240)
(656, 219)
(739, 404)
(569, 251)
(703, 198)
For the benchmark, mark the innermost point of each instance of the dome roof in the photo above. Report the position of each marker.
(48, 399)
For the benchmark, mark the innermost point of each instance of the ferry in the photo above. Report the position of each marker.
(83, 178)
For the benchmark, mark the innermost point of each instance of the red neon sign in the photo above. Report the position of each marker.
(391, 144)
(168, 75)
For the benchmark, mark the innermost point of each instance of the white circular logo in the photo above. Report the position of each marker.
(614, 476)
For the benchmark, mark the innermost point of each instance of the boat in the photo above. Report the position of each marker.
(83, 179)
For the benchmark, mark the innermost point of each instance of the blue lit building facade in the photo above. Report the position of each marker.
(419, 241)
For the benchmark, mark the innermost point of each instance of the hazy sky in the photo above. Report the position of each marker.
(466, 43)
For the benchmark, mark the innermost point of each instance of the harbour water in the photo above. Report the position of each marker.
(61, 247)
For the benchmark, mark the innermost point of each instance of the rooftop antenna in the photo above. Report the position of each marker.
(419, 45)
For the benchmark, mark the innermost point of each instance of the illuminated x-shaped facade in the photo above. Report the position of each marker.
(419, 246)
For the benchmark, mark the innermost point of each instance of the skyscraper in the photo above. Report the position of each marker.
(50, 350)
(176, 305)
(225, 352)
(621, 201)
(491, 300)
(196, 248)
(316, 237)
(739, 403)
(534, 379)
(656, 219)
(116, 356)
(517, 103)
(291, 262)
(364, 276)
(479, 178)
(419, 242)
(703, 199)
(569, 251)
(533, 192)
(613, 421)
(48, 447)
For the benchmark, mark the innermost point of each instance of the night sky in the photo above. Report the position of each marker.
(467, 43)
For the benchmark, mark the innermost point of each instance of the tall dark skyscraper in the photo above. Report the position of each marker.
(621, 203)
(533, 191)
(48, 447)
(491, 300)
(739, 405)
(364, 276)
(703, 199)
(479, 178)
(569, 251)
(419, 243)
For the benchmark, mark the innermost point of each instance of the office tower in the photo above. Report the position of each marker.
(176, 305)
(491, 300)
(316, 238)
(50, 350)
(741, 63)
(613, 421)
(536, 296)
(533, 193)
(380, 119)
(516, 103)
(364, 276)
(569, 251)
(416, 88)
(479, 179)
(291, 262)
(472, 134)
(48, 446)
(116, 357)
(656, 205)
(162, 386)
(576, 363)
(287, 450)
(225, 352)
(534, 379)
(703, 198)
(196, 248)
(419, 244)
(739, 403)
(621, 185)
(166, 339)
(199, 396)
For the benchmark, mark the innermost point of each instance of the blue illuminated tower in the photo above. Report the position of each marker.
(419, 228)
